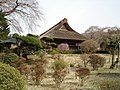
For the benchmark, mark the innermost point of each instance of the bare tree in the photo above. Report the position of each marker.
(89, 46)
(21, 13)
(82, 73)
(96, 61)
(84, 58)
(96, 33)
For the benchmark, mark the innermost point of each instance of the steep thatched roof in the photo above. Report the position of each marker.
(62, 30)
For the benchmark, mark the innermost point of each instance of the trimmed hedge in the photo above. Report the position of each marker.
(10, 58)
(102, 52)
(10, 78)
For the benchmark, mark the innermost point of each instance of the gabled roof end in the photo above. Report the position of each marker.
(64, 20)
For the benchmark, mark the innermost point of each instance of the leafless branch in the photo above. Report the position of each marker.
(23, 12)
(13, 9)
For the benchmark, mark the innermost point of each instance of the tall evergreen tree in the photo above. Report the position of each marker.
(112, 44)
(4, 29)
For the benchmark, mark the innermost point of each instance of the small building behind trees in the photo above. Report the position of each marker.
(62, 33)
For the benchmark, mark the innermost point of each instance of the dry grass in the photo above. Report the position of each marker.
(71, 83)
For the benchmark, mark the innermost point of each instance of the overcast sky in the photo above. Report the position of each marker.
(81, 14)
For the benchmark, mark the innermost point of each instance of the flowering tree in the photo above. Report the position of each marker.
(63, 47)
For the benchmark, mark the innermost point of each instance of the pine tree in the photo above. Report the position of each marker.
(4, 29)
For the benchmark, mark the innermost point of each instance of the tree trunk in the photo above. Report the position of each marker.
(118, 52)
(118, 56)
(112, 65)
(117, 60)
(82, 82)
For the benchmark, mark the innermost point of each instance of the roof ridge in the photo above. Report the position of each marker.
(62, 22)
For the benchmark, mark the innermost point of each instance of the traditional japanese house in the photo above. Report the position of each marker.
(62, 33)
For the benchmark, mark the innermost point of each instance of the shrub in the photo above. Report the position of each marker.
(23, 67)
(59, 67)
(96, 61)
(10, 78)
(84, 58)
(71, 52)
(107, 84)
(1, 56)
(40, 52)
(38, 68)
(54, 51)
(38, 72)
(76, 52)
(82, 72)
(71, 65)
(102, 52)
(10, 58)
